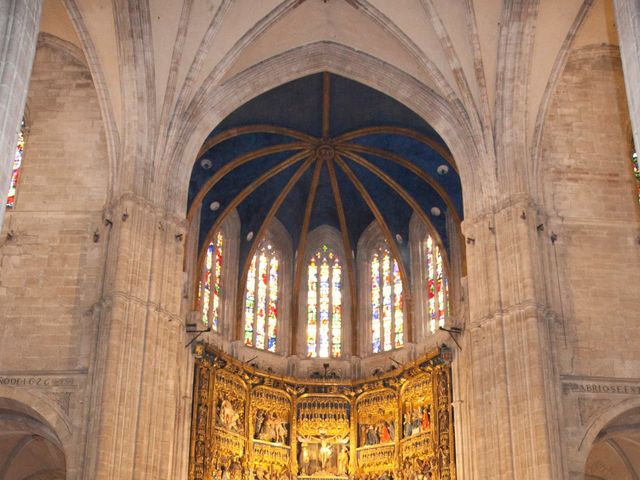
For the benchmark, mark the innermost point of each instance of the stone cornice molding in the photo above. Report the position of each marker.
(129, 198)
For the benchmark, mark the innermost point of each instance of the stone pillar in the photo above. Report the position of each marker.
(507, 400)
(628, 22)
(137, 406)
(19, 24)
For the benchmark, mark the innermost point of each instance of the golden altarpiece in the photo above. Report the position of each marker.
(251, 425)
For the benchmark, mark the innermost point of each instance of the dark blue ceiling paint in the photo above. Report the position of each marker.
(325, 211)
(395, 212)
(355, 106)
(298, 105)
(227, 151)
(422, 156)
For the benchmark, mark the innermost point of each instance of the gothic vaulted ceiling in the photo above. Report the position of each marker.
(325, 150)
(484, 64)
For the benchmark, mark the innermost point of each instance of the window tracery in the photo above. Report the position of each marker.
(437, 285)
(209, 291)
(387, 316)
(261, 299)
(324, 304)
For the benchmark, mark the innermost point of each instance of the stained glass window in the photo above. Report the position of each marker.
(261, 299)
(437, 286)
(387, 317)
(209, 299)
(636, 171)
(324, 304)
(17, 165)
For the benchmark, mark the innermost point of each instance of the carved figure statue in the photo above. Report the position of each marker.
(325, 453)
(227, 416)
(372, 436)
(304, 459)
(426, 417)
(383, 432)
(392, 429)
(343, 461)
(407, 424)
(259, 422)
(416, 421)
(280, 430)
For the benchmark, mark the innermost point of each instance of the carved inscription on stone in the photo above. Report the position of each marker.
(601, 388)
(36, 381)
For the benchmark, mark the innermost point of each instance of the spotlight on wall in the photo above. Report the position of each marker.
(471, 241)
(108, 222)
(178, 237)
(523, 215)
(10, 235)
(553, 237)
(96, 236)
(540, 227)
(125, 215)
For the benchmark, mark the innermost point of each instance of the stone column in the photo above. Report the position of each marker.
(19, 24)
(507, 407)
(137, 408)
(628, 22)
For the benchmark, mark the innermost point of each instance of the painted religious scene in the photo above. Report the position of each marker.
(251, 425)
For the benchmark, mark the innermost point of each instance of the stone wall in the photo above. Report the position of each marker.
(52, 250)
(594, 265)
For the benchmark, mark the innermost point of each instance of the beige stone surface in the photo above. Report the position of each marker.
(97, 273)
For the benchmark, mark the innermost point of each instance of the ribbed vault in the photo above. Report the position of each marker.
(325, 150)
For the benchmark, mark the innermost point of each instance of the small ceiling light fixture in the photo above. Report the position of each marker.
(249, 236)
(206, 164)
(213, 206)
(399, 238)
(443, 169)
(435, 211)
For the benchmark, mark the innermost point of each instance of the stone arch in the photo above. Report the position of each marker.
(219, 102)
(32, 439)
(371, 239)
(278, 235)
(324, 234)
(611, 444)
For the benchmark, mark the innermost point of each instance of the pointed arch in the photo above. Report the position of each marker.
(465, 145)
(325, 303)
(381, 296)
(430, 278)
(265, 313)
(217, 271)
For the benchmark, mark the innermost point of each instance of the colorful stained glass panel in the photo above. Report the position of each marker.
(387, 317)
(636, 171)
(437, 286)
(324, 305)
(261, 299)
(17, 167)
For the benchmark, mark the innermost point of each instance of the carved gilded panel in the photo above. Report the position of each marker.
(251, 425)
